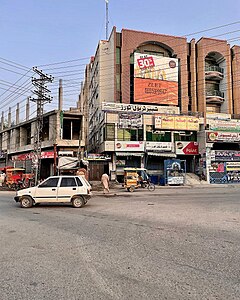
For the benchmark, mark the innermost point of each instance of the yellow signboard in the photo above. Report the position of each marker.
(176, 122)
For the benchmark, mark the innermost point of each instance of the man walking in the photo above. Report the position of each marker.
(105, 182)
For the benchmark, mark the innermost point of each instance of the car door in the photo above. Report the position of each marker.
(67, 188)
(47, 190)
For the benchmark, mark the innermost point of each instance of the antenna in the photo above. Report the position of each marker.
(107, 19)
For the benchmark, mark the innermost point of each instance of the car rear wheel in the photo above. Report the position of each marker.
(26, 202)
(78, 202)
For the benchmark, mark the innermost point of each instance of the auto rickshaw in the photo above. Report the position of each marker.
(13, 176)
(131, 179)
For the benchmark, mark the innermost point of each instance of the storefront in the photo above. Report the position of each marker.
(223, 157)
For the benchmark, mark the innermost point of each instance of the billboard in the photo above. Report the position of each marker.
(155, 79)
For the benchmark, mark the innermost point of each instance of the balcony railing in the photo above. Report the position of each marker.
(214, 96)
(214, 72)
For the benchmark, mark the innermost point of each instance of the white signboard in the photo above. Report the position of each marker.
(129, 146)
(158, 146)
(147, 109)
(176, 180)
(128, 120)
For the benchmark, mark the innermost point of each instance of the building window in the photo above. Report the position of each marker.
(118, 56)
(45, 129)
(129, 134)
(187, 137)
(156, 136)
(109, 134)
(17, 134)
(71, 129)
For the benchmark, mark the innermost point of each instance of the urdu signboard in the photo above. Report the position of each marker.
(232, 125)
(129, 146)
(138, 108)
(155, 79)
(176, 122)
(224, 137)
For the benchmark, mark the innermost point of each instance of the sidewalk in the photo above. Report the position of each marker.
(116, 189)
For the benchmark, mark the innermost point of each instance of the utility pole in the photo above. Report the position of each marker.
(41, 92)
(107, 22)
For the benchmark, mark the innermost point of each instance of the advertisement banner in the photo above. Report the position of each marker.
(224, 125)
(187, 148)
(176, 122)
(158, 146)
(228, 137)
(129, 120)
(155, 79)
(129, 146)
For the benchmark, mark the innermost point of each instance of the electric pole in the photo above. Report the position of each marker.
(41, 92)
(107, 22)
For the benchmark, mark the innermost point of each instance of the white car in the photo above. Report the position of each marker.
(56, 189)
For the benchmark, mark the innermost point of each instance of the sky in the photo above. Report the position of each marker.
(59, 37)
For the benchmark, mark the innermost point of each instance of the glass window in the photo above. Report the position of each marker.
(152, 136)
(51, 182)
(68, 181)
(110, 132)
(118, 55)
(79, 183)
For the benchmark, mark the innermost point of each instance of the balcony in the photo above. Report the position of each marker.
(214, 96)
(214, 73)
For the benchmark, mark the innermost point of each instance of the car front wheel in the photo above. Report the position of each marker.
(26, 202)
(78, 202)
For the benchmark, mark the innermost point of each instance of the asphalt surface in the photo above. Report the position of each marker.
(173, 243)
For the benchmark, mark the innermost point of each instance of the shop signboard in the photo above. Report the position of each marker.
(164, 122)
(233, 166)
(224, 125)
(218, 116)
(158, 146)
(32, 155)
(225, 155)
(130, 120)
(139, 108)
(225, 137)
(186, 148)
(176, 122)
(96, 156)
(129, 146)
(155, 79)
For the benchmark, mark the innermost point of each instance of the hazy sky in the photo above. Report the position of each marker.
(35, 33)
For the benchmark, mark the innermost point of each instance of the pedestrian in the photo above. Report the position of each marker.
(105, 182)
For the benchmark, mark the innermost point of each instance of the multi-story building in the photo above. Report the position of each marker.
(62, 135)
(152, 97)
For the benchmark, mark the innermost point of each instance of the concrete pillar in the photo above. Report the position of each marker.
(2, 121)
(27, 109)
(17, 114)
(9, 117)
(60, 95)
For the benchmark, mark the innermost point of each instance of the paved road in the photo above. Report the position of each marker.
(179, 243)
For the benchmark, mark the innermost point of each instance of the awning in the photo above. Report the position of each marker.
(163, 154)
(129, 154)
